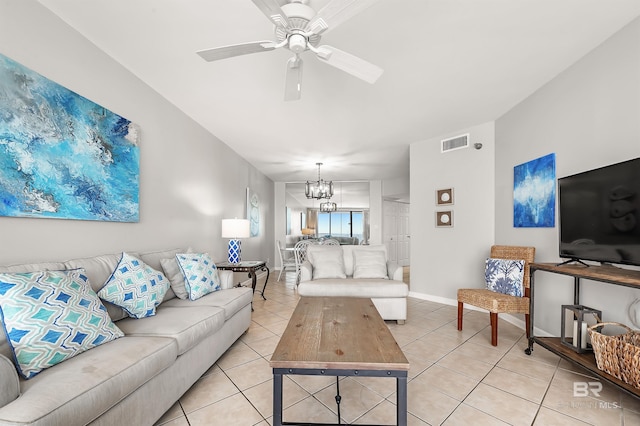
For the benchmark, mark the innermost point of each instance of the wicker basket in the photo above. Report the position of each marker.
(617, 355)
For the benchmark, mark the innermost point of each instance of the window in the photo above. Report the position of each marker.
(341, 224)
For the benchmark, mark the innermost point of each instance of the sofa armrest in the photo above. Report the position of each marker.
(394, 271)
(306, 271)
(226, 279)
(9, 382)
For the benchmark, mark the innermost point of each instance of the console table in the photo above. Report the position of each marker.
(250, 267)
(605, 274)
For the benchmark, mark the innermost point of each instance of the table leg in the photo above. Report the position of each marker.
(265, 281)
(277, 399)
(401, 401)
(254, 279)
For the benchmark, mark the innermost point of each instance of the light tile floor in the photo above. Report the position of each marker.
(456, 378)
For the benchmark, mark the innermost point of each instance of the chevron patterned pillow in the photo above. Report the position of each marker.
(135, 286)
(200, 274)
(50, 316)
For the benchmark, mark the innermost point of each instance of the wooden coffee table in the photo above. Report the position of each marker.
(338, 336)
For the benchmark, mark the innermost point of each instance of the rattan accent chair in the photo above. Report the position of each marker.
(497, 303)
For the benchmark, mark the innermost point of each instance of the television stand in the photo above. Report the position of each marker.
(606, 274)
(570, 261)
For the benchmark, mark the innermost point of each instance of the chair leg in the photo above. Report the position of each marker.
(280, 274)
(527, 322)
(494, 328)
(460, 305)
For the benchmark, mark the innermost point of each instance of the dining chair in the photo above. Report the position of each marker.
(287, 262)
(300, 251)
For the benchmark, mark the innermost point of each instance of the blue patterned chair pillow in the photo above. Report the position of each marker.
(135, 287)
(505, 276)
(200, 274)
(50, 316)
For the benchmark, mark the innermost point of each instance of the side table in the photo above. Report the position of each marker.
(250, 267)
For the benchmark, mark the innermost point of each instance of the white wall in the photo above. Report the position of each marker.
(445, 259)
(189, 179)
(589, 116)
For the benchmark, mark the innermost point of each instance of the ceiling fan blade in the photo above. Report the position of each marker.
(225, 52)
(293, 81)
(273, 11)
(335, 13)
(348, 63)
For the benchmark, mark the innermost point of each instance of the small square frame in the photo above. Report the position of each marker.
(444, 197)
(444, 219)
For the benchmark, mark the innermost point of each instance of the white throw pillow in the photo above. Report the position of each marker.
(369, 264)
(327, 262)
(173, 272)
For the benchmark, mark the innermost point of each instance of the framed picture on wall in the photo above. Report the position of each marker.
(444, 219)
(444, 197)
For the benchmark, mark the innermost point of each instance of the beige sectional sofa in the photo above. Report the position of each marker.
(356, 271)
(134, 379)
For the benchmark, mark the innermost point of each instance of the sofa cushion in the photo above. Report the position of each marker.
(98, 268)
(135, 286)
(50, 316)
(153, 258)
(231, 300)
(187, 326)
(35, 267)
(369, 264)
(9, 382)
(78, 390)
(200, 274)
(327, 261)
(353, 288)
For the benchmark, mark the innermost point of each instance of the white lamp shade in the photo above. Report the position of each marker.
(236, 228)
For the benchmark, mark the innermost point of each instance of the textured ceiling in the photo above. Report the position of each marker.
(447, 64)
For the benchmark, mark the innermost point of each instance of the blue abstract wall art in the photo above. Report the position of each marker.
(61, 155)
(534, 193)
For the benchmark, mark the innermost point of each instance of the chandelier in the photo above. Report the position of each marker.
(319, 189)
(328, 206)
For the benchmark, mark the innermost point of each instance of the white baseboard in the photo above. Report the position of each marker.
(518, 322)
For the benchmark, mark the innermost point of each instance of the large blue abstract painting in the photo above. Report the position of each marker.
(62, 155)
(534, 193)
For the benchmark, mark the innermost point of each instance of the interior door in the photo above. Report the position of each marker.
(404, 234)
(390, 229)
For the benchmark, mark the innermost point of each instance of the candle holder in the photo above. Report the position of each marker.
(575, 321)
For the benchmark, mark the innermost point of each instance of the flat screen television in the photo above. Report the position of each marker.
(600, 214)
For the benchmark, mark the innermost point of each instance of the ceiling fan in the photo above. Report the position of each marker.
(298, 28)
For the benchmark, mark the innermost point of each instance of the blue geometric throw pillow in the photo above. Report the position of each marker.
(51, 316)
(505, 276)
(200, 274)
(135, 287)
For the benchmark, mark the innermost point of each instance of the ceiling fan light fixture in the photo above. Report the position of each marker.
(319, 189)
(297, 43)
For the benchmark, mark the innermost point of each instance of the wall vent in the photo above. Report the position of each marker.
(457, 142)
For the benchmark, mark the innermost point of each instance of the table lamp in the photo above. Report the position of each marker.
(235, 229)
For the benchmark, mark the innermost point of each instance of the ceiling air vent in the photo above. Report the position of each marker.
(457, 142)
